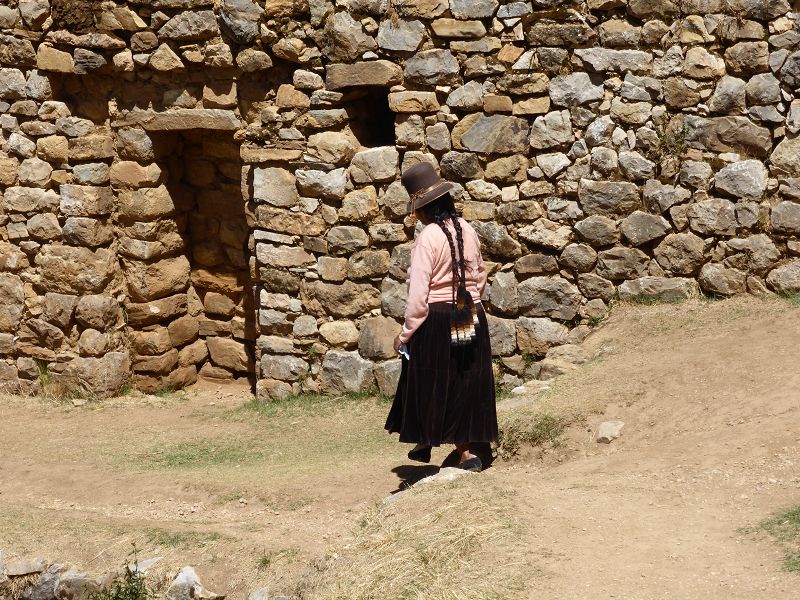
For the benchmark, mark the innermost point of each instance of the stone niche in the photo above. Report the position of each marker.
(184, 255)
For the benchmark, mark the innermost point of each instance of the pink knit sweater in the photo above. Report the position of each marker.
(430, 276)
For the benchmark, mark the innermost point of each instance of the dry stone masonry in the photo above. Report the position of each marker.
(210, 188)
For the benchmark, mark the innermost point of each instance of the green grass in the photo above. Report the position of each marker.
(793, 299)
(174, 539)
(272, 558)
(521, 430)
(201, 453)
(644, 300)
(785, 528)
(129, 585)
(165, 391)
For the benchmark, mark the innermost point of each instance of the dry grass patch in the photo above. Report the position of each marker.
(456, 541)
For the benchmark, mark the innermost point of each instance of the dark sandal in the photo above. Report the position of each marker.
(473, 464)
(422, 455)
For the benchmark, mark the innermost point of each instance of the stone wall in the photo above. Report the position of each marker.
(211, 187)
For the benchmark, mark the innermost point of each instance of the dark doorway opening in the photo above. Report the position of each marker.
(371, 119)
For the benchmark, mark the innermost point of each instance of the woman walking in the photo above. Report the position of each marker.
(446, 390)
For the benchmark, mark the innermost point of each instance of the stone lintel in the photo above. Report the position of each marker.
(182, 119)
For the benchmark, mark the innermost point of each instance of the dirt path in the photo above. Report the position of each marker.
(710, 396)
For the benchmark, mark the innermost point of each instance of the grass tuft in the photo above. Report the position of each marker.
(201, 453)
(130, 585)
(785, 528)
(793, 299)
(175, 539)
(644, 300)
(521, 430)
(56, 387)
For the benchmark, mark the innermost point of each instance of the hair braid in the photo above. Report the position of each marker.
(439, 219)
(461, 260)
(463, 313)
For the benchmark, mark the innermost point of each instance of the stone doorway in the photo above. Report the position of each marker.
(185, 259)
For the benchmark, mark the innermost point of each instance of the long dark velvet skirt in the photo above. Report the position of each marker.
(446, 393)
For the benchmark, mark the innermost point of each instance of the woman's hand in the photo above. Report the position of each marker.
(397, 343)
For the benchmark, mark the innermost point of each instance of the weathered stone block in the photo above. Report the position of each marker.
(156, 280)
(85, 231)
(380, 73)
(495, 134)
(70, 270)
(180, 119)
(455, 28)
(681, 253)
(712, 217)
(404, 36)
(608, 198)
(86, 201)
(97, 311)
(190, 26)
(275, 186)
(387, 375)
(715, 278)
(786, 278)
(594, 286)
(157, 311)
(640, 228)
(622, 263)
(664, 289)
(368, 263)
(12, 302)
(332, 185)
(432, 67)
(160, 364)
(547, 234)
(146, 204)
(345, 372)
(578, 257)
(348, 299)
(345, 239)
(503, 294)
(728, 134)
(29, 200)
(574, 90)
(374, 165)
(339, 333)
(376, 338)
(535, 336)
(229, 354)
(785, 158)
(786, 218)
(552, 130)
(496, 240)
(105, 376)
(553, 297)
(502, 334)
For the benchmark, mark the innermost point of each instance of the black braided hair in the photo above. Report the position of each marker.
(464, 316)
(439, 211)
(460, 238)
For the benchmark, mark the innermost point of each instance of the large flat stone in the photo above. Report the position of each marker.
(381, 73)
(728, 134)
(495, 134)
(180, 119)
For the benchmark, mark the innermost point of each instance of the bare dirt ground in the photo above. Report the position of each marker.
(289, 496)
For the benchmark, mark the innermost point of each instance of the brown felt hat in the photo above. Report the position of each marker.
(423, 185)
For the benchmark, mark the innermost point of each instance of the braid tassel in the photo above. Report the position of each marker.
(464, 313)
(463, 319)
